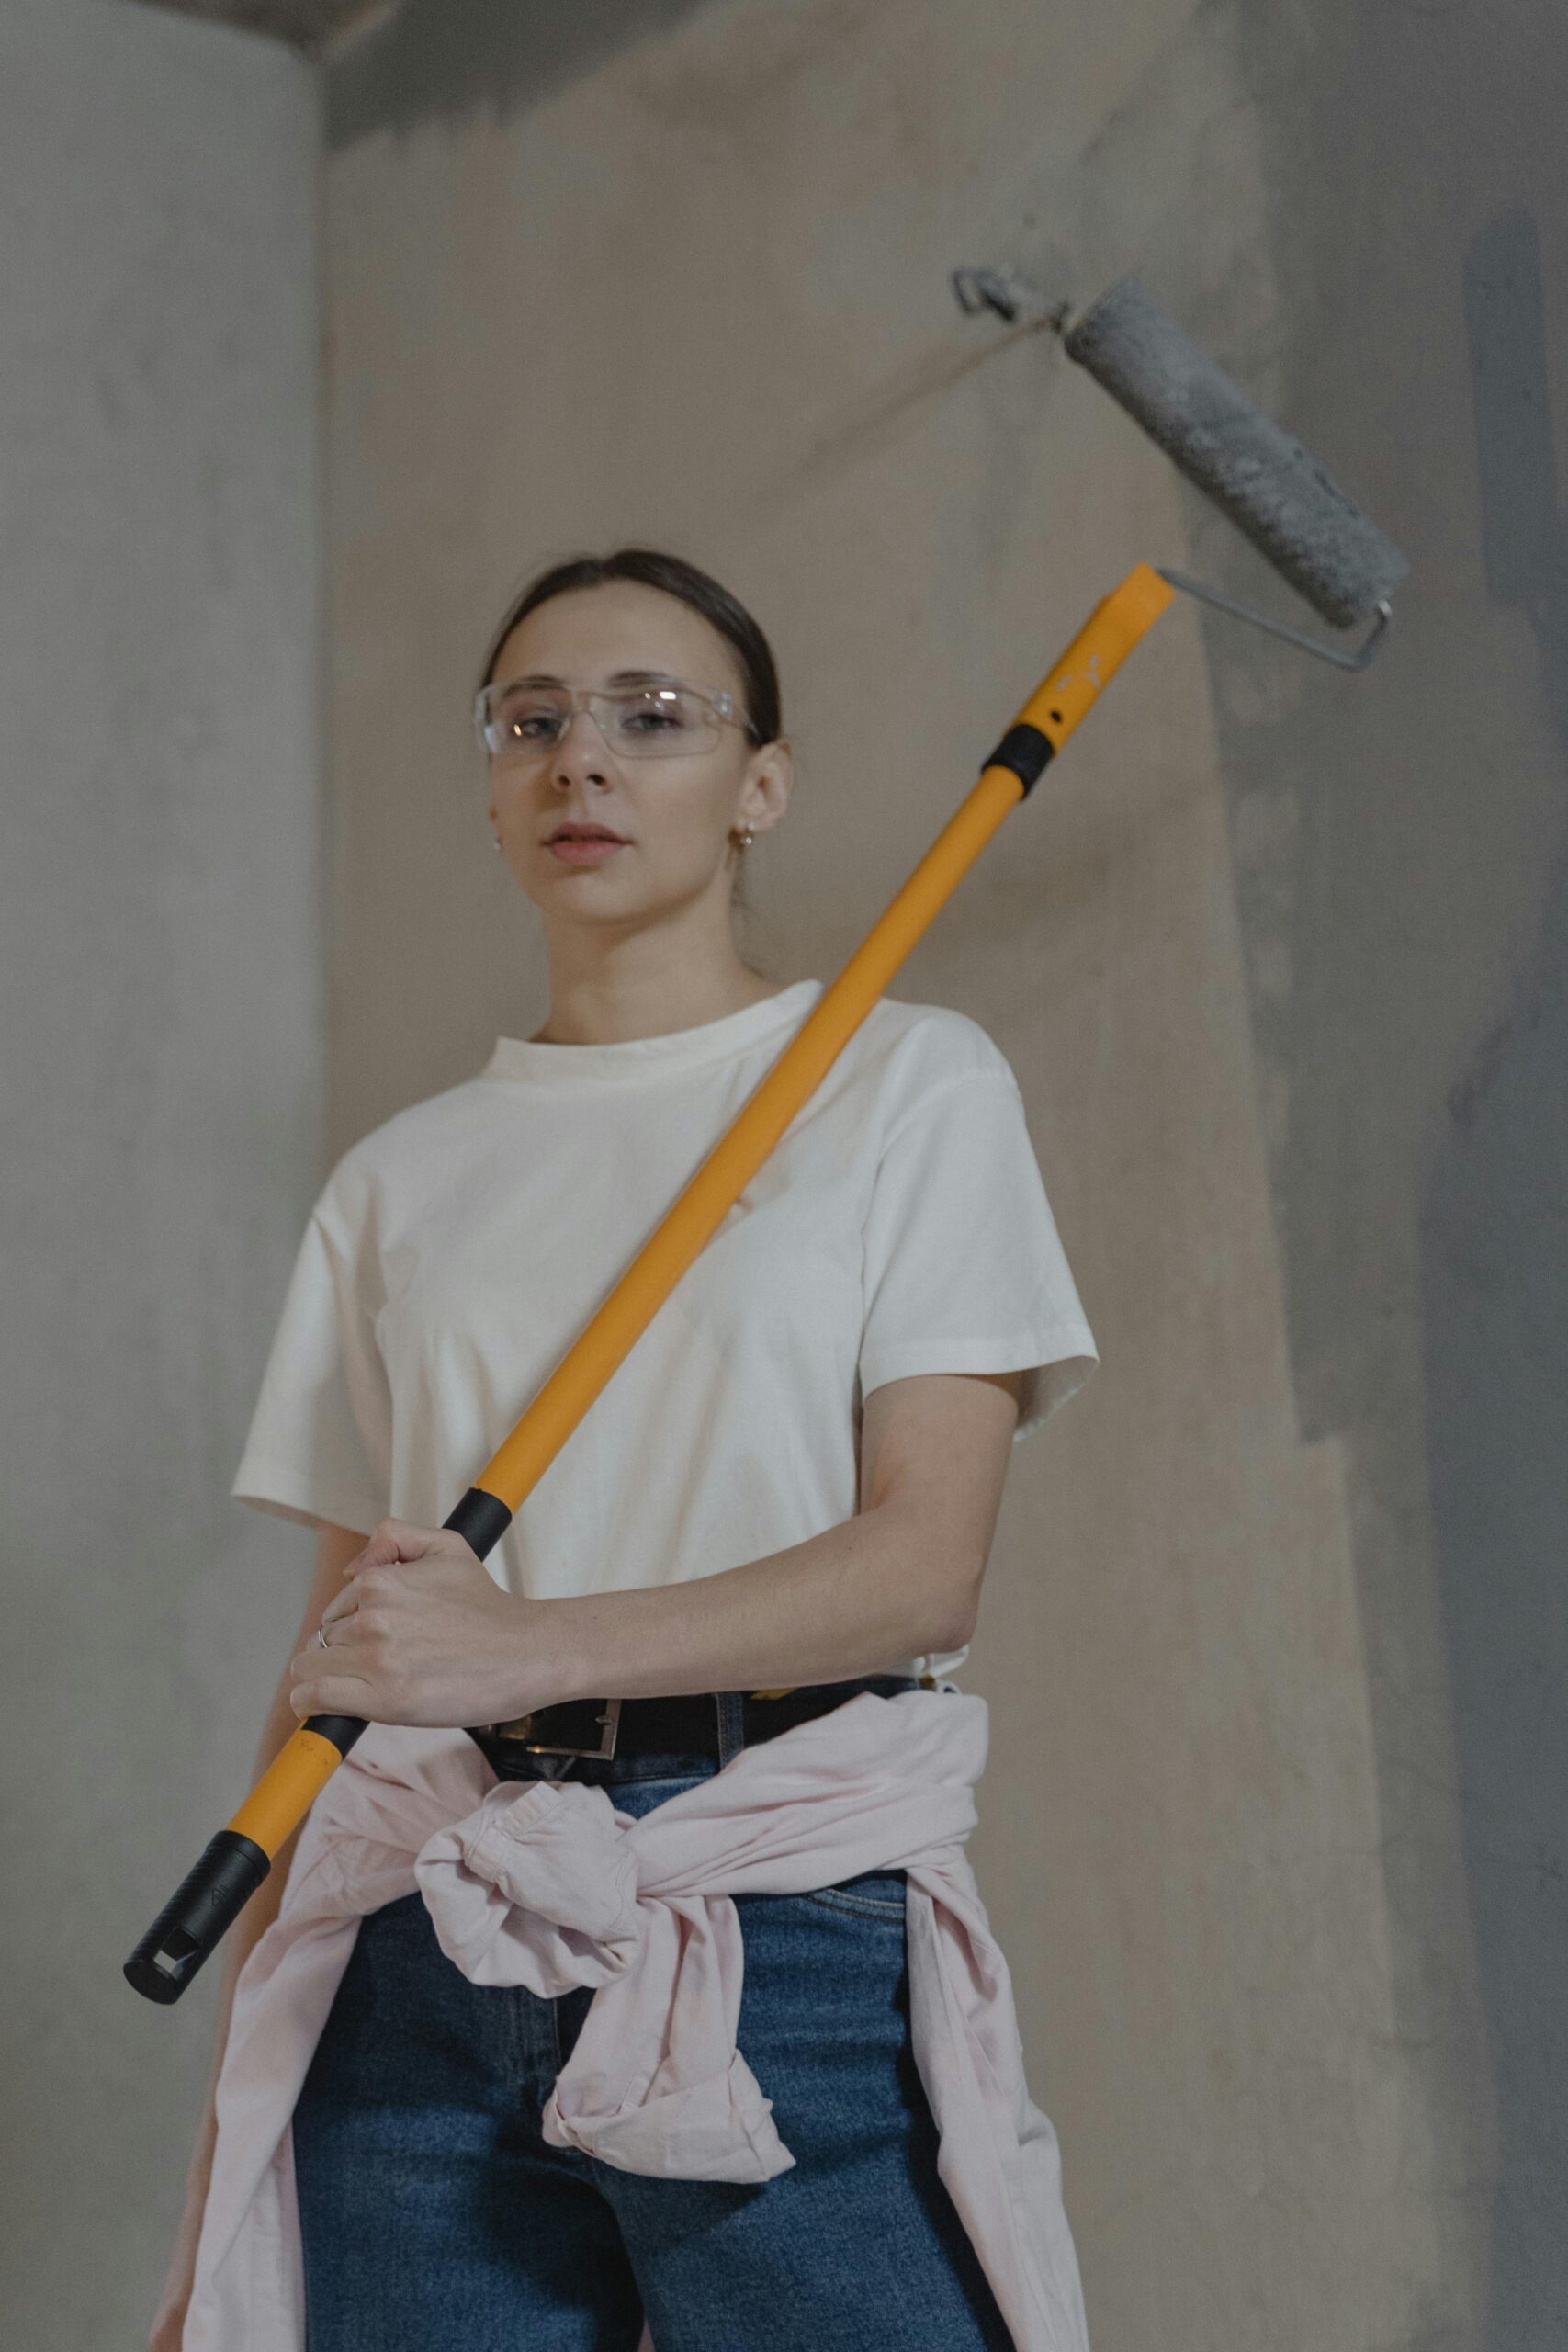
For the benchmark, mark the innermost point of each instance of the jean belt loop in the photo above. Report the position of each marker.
(732, 1705)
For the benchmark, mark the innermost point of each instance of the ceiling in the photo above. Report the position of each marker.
(310, 25)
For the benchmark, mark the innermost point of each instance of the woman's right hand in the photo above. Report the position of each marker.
(169, 2326)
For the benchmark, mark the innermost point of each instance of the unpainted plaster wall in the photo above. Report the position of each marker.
(1270, 1633)
(162, 1059)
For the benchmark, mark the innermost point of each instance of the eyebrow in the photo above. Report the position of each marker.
(620, 678)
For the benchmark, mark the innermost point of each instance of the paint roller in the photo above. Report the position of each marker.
(1273, 491)
(1315, 537)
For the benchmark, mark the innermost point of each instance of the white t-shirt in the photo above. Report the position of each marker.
(900, 1226)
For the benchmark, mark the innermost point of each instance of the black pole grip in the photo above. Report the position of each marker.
(480, 1520)
(342, 1730)
(193, 1924)
(1025, 751)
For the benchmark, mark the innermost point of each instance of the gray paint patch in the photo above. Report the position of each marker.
(1523, 540)
(452, 59)
(1400, 844)
(1494, 1291)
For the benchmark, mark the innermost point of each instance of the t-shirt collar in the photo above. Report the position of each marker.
(639, 1059)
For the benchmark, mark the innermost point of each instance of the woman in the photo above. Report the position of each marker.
(784, 1499)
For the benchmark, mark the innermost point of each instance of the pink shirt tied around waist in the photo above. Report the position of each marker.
(544, 1884)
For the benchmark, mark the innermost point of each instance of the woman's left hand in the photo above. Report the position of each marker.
(420, 1633)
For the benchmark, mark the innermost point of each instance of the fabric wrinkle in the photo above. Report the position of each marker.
(553, 1889)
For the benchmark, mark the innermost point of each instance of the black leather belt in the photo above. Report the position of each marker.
(601, 1728)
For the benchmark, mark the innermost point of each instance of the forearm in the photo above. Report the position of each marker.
(420, 1633)
(861, 1596)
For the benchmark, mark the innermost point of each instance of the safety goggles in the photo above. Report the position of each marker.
(515, 720)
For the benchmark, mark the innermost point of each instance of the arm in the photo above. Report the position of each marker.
(421, 1633)
(335, 1548)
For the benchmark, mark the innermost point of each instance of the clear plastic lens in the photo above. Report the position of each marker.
(640, 722)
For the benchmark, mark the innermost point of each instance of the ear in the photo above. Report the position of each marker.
(766, 787)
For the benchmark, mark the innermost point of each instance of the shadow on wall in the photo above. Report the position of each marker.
(454, 58)
(1495, 1295)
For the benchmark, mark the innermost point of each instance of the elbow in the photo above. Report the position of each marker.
(951, 1607)
(954, 1631)
(931, 1573)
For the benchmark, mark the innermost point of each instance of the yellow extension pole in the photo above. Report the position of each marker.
(238, 1857)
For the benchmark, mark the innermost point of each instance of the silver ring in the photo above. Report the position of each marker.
(322, 1637)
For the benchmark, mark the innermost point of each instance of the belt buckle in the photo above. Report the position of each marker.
(520, 1725)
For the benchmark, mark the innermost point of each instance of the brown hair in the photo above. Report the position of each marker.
(672, 574)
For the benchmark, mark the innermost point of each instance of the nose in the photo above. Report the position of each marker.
(581, 755)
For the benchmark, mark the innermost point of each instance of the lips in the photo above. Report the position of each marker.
(583, 845)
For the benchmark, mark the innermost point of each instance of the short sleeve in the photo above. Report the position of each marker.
(965, 1271)
(320, 1442)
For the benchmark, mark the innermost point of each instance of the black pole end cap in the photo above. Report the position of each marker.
(194, 1921)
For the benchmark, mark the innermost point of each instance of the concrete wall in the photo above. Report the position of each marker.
(1278, 959)
(159, 968)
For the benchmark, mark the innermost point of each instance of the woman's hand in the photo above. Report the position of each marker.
(420, 1633)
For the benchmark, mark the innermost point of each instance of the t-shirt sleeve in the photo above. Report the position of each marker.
(965, 1271)
(320, 1445)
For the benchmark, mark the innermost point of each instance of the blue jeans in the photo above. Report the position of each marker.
(436, 2219)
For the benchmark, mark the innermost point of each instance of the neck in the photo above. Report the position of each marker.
(607, 987)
